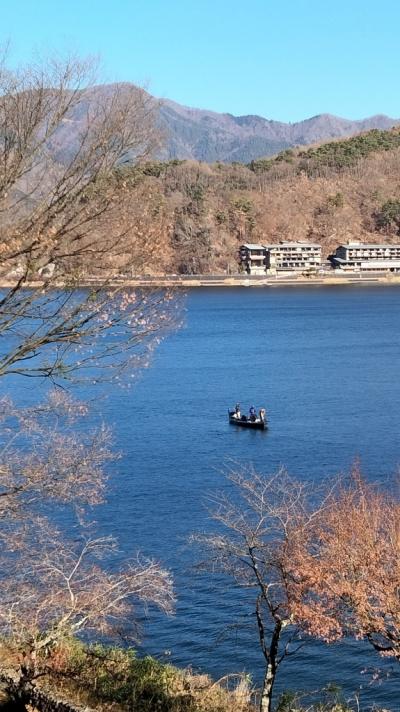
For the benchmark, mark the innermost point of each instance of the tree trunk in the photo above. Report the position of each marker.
(271, 656)
(18, 695)
(266, 692)
(19, 689)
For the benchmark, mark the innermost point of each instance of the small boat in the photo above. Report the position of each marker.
(257, 422)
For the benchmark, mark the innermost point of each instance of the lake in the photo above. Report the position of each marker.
(325, 364)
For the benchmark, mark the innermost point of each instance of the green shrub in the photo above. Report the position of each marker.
(243, 205)
(116, 675)
(220, 217)
(286, 156)
(389, 216)
(330, 699)
(261, 165)
(336, 201)
(342, 154)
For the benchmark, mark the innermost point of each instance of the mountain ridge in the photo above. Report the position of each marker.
(209, 136)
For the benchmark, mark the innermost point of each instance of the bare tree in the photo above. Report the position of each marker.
(65, 220)
(43, 460)
(263, 520)
(61, 588)
(55, 584)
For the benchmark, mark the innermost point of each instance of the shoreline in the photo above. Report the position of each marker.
(202, 281)
(196, 281)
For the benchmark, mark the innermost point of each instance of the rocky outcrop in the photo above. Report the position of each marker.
(22, 693)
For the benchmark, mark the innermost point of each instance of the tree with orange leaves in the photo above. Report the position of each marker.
(349, 570)
(323, 562)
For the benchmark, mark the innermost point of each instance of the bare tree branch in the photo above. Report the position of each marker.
(67, 217)
(261, 521)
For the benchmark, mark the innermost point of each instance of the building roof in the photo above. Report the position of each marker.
(293, 244)
(379, 263)
(251, 246)
(368, 245)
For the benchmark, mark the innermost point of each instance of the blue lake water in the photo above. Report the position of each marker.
(325, 364)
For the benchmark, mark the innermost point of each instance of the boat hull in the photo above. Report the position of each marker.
(252, 424)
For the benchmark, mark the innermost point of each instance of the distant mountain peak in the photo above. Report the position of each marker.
(210, 136)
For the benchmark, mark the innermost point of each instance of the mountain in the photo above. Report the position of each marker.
(208, 136)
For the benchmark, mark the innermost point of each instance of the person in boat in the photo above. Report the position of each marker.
(252, 414)
(237, 411)
(261, 414)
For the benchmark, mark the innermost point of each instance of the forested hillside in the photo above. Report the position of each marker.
(199, 214)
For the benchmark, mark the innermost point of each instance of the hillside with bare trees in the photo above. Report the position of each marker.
(338, 191)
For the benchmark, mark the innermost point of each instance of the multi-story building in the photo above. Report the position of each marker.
(298, 256)
(360, 257)
(252, 258)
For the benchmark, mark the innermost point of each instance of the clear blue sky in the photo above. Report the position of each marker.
(282, 59)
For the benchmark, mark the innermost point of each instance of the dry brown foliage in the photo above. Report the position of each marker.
(351, 567)
(318, 561)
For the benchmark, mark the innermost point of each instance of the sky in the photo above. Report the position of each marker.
(285, 60)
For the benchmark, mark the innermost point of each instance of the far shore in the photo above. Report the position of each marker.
(240, 280)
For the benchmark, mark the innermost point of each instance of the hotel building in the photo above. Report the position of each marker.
(296, 256)
(252, 258)
(360, 257)
(290, 256)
